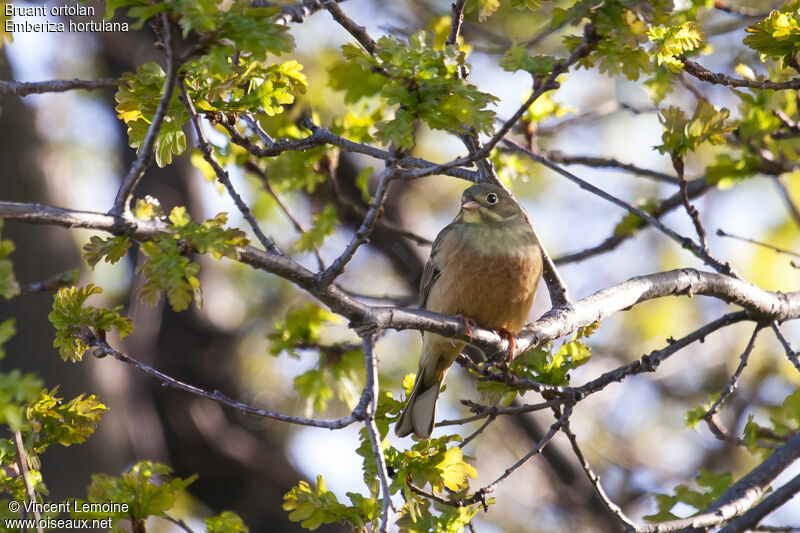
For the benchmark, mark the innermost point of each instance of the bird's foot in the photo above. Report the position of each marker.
(469, 323)
(512, 342)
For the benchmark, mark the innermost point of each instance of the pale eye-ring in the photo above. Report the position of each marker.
(491, 198)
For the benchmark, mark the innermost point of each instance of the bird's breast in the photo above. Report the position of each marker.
(491, 280)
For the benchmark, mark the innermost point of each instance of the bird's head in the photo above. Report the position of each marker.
(487, 203)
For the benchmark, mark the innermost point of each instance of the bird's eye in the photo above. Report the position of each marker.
(491, 198)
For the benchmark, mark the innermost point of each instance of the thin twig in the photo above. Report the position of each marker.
(685, 242)
(696, 187)
(607, 162)
(703, 74)
(24, 88)
(22, 461)
(612, 507)
(103, 349)
(482, 411)
(734, 381)
(178, 522)
(790, 353)
(362, 234)
(458, 20)
(359, 32)
(791, 205)
(284, 207)
(691, 210)
(122, 201)
(373, 387)
(477, 432)
(480, 495)
(222, 174)
(722, 233)
(647, 363)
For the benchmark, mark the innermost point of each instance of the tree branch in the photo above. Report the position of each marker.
(703, 74)
(24, 88)
(740, 497)
(222, 174)
(685, 242)
(776, 499)
(373, 389)
(556, 323)
(362, 234)
(121, 202)
(103, 349)
(359, 32)
(612, 507)
(604, 162)
(695, 188)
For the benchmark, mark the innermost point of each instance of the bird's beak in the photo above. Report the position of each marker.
(470, 205)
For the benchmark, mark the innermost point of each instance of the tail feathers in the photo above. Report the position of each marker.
(420, 411)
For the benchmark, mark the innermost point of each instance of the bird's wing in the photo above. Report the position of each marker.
(433, 268)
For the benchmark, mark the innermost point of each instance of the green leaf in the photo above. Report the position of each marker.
(778, 35)
(301, 326)
(670, 42)
(683, 135)
(517, 58)
(55, 422)
(486, 8)
(7, 330)
(323, 225)
(170, 140)
(422, 81)
(8, 283)
(713, 484)
(112, 249)
(70, 314)
(313, 507)
(144, 490)
(227, 522)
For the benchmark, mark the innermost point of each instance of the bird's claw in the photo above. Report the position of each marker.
(469, 323)
(512, 343)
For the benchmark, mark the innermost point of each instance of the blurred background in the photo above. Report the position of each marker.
(70, 150)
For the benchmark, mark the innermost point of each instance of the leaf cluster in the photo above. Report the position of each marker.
(8, 283)
(712, 486)
(421, 81)
(166, 266)
(683, 135)
(70, 315)
(778, 35)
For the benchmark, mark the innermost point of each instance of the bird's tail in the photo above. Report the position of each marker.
(420, 410)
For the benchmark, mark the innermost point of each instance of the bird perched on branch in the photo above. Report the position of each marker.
(484, 267)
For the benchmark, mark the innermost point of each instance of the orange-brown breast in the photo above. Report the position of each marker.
(494, 285)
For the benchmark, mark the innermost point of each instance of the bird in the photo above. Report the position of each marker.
(484, 268)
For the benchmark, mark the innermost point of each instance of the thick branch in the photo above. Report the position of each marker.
(24, 88)
(769, 504)
(760, 304)
(741, 496)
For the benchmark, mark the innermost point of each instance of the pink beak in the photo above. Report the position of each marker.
(470, 205)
